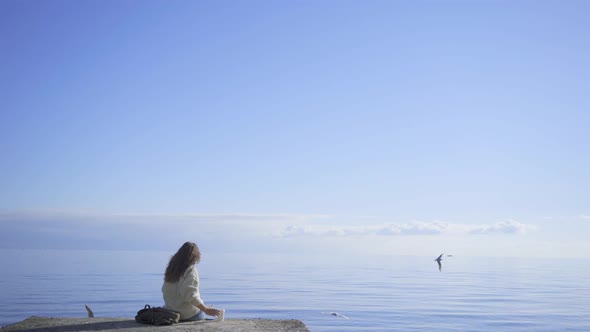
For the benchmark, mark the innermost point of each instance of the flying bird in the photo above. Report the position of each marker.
(438, 260)
(335, 314)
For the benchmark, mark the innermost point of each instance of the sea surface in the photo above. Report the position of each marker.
(377, 293)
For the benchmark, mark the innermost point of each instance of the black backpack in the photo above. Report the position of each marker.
(157, 316)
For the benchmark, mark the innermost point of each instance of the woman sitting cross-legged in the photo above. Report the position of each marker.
(181, 285)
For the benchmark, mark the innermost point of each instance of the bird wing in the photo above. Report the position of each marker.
(439, 265)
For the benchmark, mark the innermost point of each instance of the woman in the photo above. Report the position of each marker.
(181, 285)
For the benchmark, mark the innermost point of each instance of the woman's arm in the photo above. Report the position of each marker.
(189, 287)
(191, 290)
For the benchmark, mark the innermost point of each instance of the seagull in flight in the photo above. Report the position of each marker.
(335, 314)
(438, 260)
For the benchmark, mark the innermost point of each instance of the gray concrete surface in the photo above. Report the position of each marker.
(46, 324)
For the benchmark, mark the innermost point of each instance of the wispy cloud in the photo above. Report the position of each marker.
(284, 225)
(411, 228)
(89, 216)
(504, 227)
(82, 229)
(87, 229)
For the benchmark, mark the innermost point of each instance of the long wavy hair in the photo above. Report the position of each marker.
(187, 256)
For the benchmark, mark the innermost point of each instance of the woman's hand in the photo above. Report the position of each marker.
(209, 311)
(212, 311)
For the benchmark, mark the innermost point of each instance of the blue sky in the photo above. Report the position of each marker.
(297, 123)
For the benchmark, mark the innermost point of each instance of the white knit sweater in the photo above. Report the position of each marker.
(183, 296)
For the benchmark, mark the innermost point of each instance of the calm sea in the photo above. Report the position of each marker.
(376, 293)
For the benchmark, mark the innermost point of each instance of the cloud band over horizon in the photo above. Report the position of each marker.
(411, 228)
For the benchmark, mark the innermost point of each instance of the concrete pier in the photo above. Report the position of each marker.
(46, 324)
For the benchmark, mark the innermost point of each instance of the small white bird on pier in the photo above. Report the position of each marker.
(89, 311)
